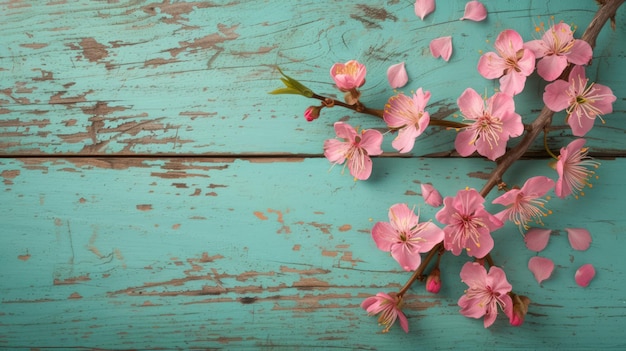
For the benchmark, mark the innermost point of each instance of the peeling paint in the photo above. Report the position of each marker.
(24, 257)
(260, 215)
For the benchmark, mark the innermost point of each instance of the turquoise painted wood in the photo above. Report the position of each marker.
(147, 77)
(225, 254)
(155, 197)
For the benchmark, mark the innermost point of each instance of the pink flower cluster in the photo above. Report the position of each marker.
(491, 121)
(515, 60)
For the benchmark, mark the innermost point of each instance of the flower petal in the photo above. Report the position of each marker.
(405, 140)
(424, 7)
(537, 186)
(538, 47)
(471, 104)
(491, 66)
(550, 67)
(345, 131)
(508, 43)
(536, 239)
(441, 47)
(541, 267)
(579, 238)
(464, 143)
(408, 259)
(384, 236)
(555, 95)
(474, 11)
(431, 195)
(360, 165)
(579, 122)
(371, 140)
(580, 53)
(584, 275)
(512, 83)
(396, 75)
(404, 322)
(336, 150)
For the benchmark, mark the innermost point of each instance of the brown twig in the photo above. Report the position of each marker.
(607, 10)
(359, 107)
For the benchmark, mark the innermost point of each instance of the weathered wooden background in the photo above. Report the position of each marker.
(156, 197)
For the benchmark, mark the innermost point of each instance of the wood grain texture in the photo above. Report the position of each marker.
(211, 254)
(155, 197)
(161, 77)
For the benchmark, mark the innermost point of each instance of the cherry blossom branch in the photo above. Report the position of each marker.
(359, 107)
(606, 11)
(418, 274)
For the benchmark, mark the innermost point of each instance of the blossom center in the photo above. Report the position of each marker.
(488, 128)
(468, 229)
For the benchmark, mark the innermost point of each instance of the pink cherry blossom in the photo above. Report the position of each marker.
(468, 224)
(582, 102)
(485, 293)
(512, 63)
(556, 48)
(579, 238)
(396, 75)
(572, 168)
(431, 196)
(356, 148)
(407, 114)
(584, 275)
(495, 121)
(536, 239)
(349, 75)
(441, 47)
(424, 7)
(405, 237)
(525, 204)
(541, 268)
(474, 11)
(388, 305)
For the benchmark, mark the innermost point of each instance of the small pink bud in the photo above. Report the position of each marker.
(312, 113)
(520, 308)
(433, 282)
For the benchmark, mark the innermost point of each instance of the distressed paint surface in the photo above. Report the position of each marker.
(146, 77)
(125, 257)
(155, 197)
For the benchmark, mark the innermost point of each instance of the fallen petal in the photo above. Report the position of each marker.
(536, 239)
(584, 274)
(396, 74)
(474, 11)
(431, 195)
(541, 267)
(424, 7)
(441, 47)
(579, 238)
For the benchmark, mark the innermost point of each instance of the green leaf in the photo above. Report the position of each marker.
(292, 86)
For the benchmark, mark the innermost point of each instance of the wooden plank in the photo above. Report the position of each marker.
(161, 77)
(131, 253)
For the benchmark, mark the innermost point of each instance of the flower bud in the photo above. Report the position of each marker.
(312, 113)
(520, 308)
(433, 281)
